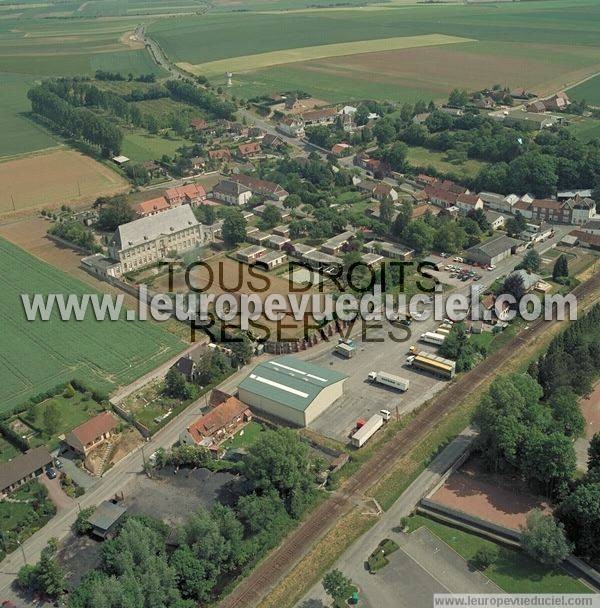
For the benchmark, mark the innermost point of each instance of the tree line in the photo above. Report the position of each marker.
(76, 121)
(528, 423)
(185, 91)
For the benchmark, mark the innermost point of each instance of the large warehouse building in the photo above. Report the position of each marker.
(492, 252)
(291, 389)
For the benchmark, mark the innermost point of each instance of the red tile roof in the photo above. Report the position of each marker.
(181, 193)
(218, 418)
(219, 154)
(468, 199)
(198, 123)
(154, 205)
(547, 203)
(94, 427)
(250, 148)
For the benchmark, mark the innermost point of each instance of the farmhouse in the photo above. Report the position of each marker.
(324, 116)
(384, 192)
(492, 251)
(231, 192)
(189, 194)
(291, 389)
(23, 468)
(219, 424)
(262, 187)
(92, 433)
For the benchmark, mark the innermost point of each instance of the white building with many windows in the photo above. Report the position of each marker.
(156, 237)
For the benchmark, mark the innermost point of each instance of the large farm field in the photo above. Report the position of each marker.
(56, 177)
(587, 91)
(38, 355)
(528, 45)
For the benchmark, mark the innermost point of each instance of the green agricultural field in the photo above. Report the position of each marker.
(36, 356)
(585, 128)
(19, 134)
(522, 44)
(140, 146)
(587, 91)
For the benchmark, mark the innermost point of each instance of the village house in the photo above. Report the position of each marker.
(188, 363)
(272, 141)
(231, 192)
(440, 196)
(222, 154)
(188, 194)
(495, 219)
(384, 192)
(292, 126)
(198, 163)
(272, 259)
(23, 468)
(341, 149)
(198, 124)
(150, 239)
(248, 150)
(92, 433)
(262, 187)
(499, 202)
(251, 253)
(323, 116)
(221, 423)
(468, 202)
(583, 209)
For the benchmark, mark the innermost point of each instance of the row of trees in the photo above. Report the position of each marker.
(76, 122)
(75, 232)
(185, 91)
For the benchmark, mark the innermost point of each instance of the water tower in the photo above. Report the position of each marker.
(229, 76)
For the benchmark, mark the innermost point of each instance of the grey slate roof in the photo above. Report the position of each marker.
(495, 246)
(230, 188)
(147, 229)
(23, 465)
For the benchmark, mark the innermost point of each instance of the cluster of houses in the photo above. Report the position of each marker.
(92, 434)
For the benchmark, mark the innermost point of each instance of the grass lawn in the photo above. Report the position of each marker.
(514, 571)
(72, 413)
(585, 129)
(421, 157)
(484, 339)
(140, 146)
(7, 450)
(103, 354)
(246, 437)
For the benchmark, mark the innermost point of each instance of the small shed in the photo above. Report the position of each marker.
(106, 518)
(120, 160)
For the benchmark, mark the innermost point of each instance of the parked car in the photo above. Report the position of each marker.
(51, 473)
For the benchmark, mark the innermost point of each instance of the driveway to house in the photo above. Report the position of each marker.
(56, 493)
(77, 474)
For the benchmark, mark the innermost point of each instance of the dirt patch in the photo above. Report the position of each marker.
(501, 499)
(53, 179)
(172, 497)
(129, 39)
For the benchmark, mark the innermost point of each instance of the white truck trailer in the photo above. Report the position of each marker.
(389, 380)
(345, 350)
(367, 430)
(432, 338)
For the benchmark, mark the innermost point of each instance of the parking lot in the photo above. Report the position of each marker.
(362, 399)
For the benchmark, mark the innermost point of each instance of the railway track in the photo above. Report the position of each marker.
(280, 561)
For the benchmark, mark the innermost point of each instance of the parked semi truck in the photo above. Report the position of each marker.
(445, 368)
(367, 430)
(389, 380)
(433, 338)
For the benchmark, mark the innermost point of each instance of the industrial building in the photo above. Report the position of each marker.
(291, 389)
(491, 252)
